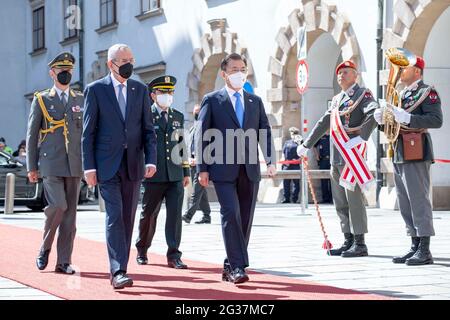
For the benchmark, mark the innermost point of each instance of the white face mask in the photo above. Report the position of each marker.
(164, 100)
(237, 80)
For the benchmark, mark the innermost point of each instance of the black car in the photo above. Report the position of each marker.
(27, 193)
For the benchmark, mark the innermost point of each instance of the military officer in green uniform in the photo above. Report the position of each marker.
(53, 149)
(171, 177)
(413, 155)
(358, 124)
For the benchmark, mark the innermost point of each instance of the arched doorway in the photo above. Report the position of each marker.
(331, 39)
(204, 76)
(326, 28)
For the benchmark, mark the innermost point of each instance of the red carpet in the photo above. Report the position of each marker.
(19, 248)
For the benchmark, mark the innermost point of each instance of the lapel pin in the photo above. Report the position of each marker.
(250, 100)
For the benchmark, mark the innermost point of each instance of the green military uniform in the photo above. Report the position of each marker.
(167, 183)
(412, 177)
(54, 149)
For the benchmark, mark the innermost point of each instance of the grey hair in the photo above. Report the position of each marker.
(112, 51)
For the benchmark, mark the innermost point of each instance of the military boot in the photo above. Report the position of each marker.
(414, 246)
(358, 249)
(345, 246)
(422, 255)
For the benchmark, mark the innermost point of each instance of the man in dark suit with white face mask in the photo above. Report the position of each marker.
(234, 166)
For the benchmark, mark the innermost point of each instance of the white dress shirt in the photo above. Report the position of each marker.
(231, 93)
(116, 85)
(59, 92)
(159, 110)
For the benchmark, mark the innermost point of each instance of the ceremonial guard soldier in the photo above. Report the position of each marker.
(350, 121)
(171, 177)
(322, 152)
(290, 155)
(53, 149)
(413, 155)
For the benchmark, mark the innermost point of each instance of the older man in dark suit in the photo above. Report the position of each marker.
(118, 134)
(241, 123)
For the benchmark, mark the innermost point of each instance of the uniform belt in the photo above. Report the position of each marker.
(406, 131)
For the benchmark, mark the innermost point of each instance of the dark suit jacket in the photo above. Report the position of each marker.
(106, 135)
(217, 113)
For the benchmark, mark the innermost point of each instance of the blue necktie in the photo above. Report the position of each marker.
(239, 109)
(122, 102)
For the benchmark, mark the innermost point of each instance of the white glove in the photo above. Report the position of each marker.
(378, 116)
(401, 115)
(353, 142)
(302, 150)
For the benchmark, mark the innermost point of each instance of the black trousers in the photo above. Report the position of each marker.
(154, 194)
(237, 205)
(121, 197)
(199, 197)
(324, 164)
(287, 184)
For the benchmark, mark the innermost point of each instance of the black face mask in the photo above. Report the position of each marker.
(64, 77)
(126, 70)
(196, 117)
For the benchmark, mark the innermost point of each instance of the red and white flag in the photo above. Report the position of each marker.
(356, 169)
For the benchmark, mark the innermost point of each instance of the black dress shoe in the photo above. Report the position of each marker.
(358, 249)
(414, 247)
(238, 276)
(121, 280)
(177, 264)
(423, 255)
(286, 201)
(142, 260)
(64, 268)
(185, 218)
(205, 220)
(349, 239)
(42, 260)
(225, 275)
